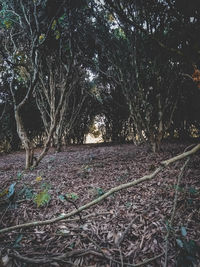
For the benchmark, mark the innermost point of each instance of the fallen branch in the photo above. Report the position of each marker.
(84, 207)
(121, 258)
(89, 216)
(107, 194)
(181, 156)
(76, 253)
(49, 259)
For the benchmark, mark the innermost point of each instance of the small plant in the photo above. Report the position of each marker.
(100, 191)
(72, 196)
(86, 170)
(128, 205)
(188, 250)
(31, 169)
(19, 175)
(38, 178)
(28, 193)
(46, 186)
(42, 198)
(178, 188)
(192, 191)
(11, 191)
(17, 241)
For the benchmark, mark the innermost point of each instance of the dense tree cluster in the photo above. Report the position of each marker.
(133, 63)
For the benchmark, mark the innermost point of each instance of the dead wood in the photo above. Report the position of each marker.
(104, 196)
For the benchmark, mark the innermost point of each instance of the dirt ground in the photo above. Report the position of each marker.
(125, 229)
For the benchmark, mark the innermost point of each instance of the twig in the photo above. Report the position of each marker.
(89, 216)
(107, 194)
(5, 212)
(147, 261)
(174, 208)
(121, 256)
(76, 207)
(86, 206)
(126, 231)
(76, 253)
(181, 156)
(123, 263)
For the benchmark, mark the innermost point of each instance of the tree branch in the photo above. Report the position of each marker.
(148, 177)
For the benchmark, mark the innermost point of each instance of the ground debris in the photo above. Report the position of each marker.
(130, 225)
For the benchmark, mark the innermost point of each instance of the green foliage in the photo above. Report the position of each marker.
(42, 198)
(188, 250)
(41, 38)
(183, 231)
(63, 20)
(57, 35)
(192, 191)
(19, 175)
(7, 23)
(3, 193)
(100, 191)
(128, 205)
(86, 170)
(72, 196)
(178, 188)
(119, 33)
(26, 192)
(11, 190)
(46, 186)
(17, 241)
(62, 198)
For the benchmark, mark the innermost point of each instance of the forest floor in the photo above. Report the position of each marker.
(124, 229)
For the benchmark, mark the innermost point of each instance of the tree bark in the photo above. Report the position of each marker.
(26, 142)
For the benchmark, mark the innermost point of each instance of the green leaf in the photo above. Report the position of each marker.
(8, 24)
(57, 34)
(54, 24)
(100, 192)
(17, 241)
(179, 243)
(46, 186)
(183, 231)
(42, 198)
(28, 193)
(73, 196)
(19, 175)
(191, 247)
(62, 198)
(11, 190)
(192, 191)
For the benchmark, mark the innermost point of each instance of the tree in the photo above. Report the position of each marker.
(145, 58)
(38, 36)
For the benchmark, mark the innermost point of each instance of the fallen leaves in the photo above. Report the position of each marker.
(143, 211)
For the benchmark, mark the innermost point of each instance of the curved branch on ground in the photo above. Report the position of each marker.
(164, 164)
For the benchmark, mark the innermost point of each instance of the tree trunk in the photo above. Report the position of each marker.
(24, 139)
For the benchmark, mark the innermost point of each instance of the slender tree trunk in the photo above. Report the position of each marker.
(24, 139)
